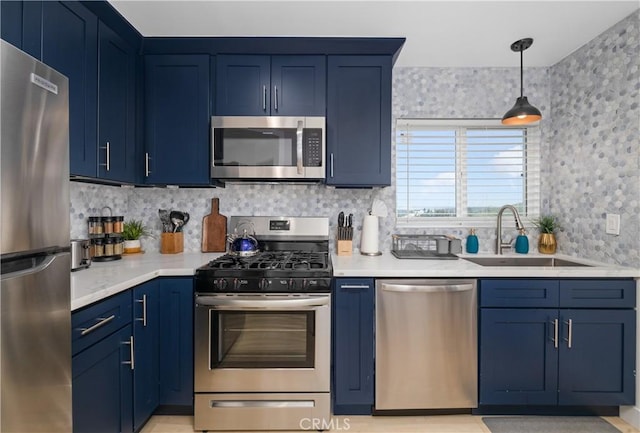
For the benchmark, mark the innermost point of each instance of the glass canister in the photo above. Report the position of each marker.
(118, 224)
(109, 246)
(118, 245)
(97, 247)
(107, 224)
(95, 226)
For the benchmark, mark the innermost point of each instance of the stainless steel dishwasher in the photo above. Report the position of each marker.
(426, 344)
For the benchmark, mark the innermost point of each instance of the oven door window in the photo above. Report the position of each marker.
(273, 147)
(264, 339)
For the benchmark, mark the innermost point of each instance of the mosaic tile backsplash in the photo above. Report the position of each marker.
(590, 148)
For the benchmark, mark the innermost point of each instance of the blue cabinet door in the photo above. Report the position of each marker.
(243, 85)
(298, 85)
(116, 107)
(597, 366)
(256, 85)
(176, 344)
(11, 22)
(146, 326)
(518, 357)
(102, 386)
(353, 346)
(69, 45)
(359, 121)
(177, 119)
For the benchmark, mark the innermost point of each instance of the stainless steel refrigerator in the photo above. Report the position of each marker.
(35, 316)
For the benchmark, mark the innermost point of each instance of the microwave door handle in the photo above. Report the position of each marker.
(299, 147)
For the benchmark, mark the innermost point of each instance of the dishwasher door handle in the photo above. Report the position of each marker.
(411, 288)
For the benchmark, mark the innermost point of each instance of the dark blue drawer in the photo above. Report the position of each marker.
(514, 293)
(93, 323)
(600, 293)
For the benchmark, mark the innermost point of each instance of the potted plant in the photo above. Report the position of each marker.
(132, 231)
(547, 224)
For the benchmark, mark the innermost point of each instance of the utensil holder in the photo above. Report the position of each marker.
(344, 247)
(171, 243)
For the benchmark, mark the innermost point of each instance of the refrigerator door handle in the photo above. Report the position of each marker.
(39, 264)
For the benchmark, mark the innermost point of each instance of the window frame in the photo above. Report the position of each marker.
(532, 162)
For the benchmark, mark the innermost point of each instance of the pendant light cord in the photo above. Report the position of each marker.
(521, 75)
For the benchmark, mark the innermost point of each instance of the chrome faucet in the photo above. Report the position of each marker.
(499, 244)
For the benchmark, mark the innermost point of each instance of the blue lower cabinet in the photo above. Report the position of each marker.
(146, 326)
(353, 346)
(102, 386)
(598, 368)
(557, 356)
(176, 344)
(518, 360)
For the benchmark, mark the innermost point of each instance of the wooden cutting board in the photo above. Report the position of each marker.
(214, 230)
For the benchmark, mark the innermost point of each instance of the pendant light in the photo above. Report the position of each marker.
(522, 112)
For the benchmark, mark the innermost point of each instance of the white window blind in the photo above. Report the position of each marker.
(465, 170)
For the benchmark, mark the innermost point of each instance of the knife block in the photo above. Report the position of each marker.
(171, 243)
(344, 247)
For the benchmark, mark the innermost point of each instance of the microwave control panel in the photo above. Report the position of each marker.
(312, 147)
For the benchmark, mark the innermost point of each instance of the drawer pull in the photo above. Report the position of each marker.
(102, 321)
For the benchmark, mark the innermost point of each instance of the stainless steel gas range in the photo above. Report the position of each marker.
(262, 329)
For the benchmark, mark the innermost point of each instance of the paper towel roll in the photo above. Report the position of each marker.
(369, 238)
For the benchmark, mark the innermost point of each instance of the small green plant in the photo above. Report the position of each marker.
(547, 224)
(134, 229)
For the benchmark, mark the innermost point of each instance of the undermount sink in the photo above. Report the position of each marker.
(522, 261)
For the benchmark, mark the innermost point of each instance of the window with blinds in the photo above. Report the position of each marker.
(465, 170)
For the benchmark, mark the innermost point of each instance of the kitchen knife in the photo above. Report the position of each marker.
(341, 226)
(350, 226)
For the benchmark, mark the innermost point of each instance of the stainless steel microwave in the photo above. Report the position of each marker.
(268, 148)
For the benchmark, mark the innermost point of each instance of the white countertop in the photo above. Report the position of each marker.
(104, 279)
(387, 265)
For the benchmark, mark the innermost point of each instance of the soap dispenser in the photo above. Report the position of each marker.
(522, 242)
(472, 242)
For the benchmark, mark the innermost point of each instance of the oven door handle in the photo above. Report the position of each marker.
(263, 304)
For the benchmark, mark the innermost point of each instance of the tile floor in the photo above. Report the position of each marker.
(368, 424)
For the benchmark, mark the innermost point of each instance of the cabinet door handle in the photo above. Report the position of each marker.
(355, 286)
(264, 98)
(275, 95)
(146, 164)
(569, 338)
(331, 164)
(102, 321)
(131, 352)
(107, 148)
(143, 301)
(555, 333)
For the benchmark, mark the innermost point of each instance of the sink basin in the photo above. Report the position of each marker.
(522, 261)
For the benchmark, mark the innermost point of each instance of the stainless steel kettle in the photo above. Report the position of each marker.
(243, 246)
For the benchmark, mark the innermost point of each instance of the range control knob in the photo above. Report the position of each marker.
(236, 284)
(264, 284)
(221, 284)
(291, 284)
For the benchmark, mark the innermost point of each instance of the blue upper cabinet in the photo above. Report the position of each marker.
(116, 107)
(261, 85)
(298, 85)
(11, 22)
(359, 121)
(69, 35)
(177, 118)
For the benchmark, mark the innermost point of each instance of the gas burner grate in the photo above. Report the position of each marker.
(285, 260)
